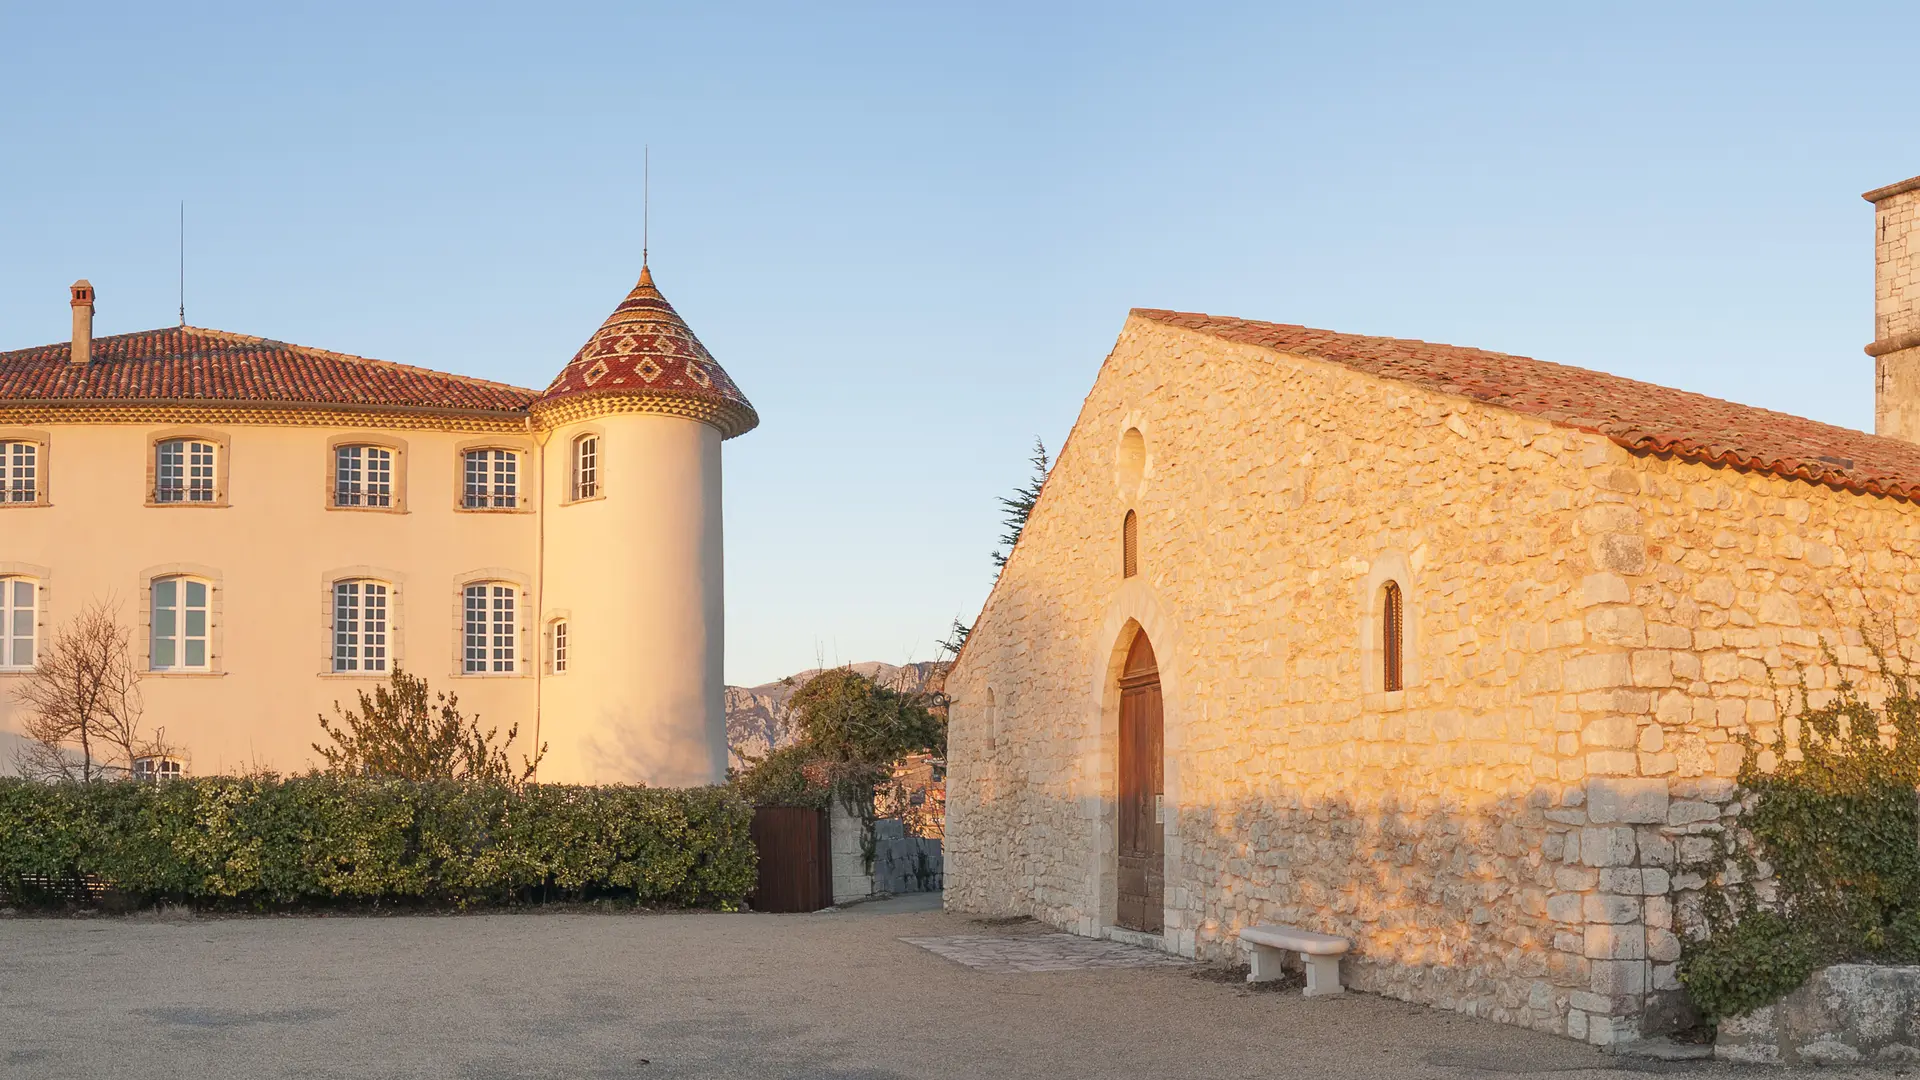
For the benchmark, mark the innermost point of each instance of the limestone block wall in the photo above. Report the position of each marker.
(847, 837)
(1517, 833)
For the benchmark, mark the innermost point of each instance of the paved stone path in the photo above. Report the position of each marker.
(1041, 952)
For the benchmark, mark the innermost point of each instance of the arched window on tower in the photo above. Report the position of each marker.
(1129, 545)
(1392, 623)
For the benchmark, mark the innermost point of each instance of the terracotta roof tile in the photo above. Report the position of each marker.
(1640, 416)
(646, 351)
(188, 363)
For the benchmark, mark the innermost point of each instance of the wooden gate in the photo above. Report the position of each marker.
(796, 861)
(1142, 882)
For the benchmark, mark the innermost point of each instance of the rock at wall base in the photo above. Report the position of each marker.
(1845, 1014)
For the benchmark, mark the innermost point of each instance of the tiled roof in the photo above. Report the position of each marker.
(1639, 416)
(191, 364)
(645, 352)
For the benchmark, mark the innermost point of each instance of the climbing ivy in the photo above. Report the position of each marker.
(1824, 864)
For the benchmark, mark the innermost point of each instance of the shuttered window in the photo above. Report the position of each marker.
(1392, 631)
(1129, 546)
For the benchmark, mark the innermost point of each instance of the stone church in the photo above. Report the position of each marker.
(278, 527)
(1444, 651)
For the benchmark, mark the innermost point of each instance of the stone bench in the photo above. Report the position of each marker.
(1321, 952)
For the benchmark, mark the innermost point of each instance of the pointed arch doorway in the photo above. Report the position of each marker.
(1141, 887)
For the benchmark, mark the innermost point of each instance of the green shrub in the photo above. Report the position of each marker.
(1835, 818)
(790, 776)
(315, 841)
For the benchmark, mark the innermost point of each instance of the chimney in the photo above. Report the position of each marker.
(82, 321)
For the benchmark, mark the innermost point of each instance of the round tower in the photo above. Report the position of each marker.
(632, 614)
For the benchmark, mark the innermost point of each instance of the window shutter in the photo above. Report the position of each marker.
(1129, 546)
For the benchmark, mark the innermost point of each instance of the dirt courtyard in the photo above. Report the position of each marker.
(834, 996)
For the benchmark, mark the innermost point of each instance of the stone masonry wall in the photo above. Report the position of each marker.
(1514, 835)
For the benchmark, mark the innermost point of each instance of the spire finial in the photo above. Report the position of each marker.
(183, 262)
(646, 199)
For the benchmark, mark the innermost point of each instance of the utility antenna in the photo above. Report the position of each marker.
(646, 199)
(183, 262)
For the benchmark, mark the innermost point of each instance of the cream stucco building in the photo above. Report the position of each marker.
(1441, 650)
(280, 526)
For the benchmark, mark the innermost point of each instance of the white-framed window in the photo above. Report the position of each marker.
(156, 768)
(182, 620)
(363, 476)
(586, 466)
(183, 471)
(557, 646)
(492, 480)
(20, 472)
(360, 625)
(19, 623)
(489, 628)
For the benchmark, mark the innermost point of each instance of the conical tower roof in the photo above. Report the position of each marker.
(645, 359)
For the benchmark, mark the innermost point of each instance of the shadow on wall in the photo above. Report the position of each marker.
(1537, 909)
(624, 750)
(10, 745)
(903, 863)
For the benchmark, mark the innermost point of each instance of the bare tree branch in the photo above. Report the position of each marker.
(83, 703)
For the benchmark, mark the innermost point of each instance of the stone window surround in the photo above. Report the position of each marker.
(1130, 484)
(150, 766)
(383, 440)
(1134, 609)
(396, 618)
(553, 618)
(1389, 565)
(216, 620)
(523, 628)
(42, 465)
(222, 467)
(42, 577)
(524, 476)
(574, 435)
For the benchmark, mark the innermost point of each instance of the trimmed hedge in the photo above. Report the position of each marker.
(317, 841)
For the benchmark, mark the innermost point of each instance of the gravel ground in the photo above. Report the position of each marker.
(834, 995)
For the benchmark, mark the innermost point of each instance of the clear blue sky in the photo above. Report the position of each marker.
(911, 233)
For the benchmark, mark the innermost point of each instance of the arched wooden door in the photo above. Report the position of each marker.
(1142, 869)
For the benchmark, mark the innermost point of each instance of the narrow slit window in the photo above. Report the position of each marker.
(1129, 545)
(586, 467)
(1392, 629)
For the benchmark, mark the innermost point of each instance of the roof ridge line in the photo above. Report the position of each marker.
(1150, 313)
(355, 358)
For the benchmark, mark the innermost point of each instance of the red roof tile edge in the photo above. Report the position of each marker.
(149, 346)
(1451, 369)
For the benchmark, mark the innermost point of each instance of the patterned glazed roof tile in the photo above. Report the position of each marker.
(1640, 416)
(646, 352)
(192, 364)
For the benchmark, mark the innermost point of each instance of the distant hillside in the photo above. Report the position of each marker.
(757, 715)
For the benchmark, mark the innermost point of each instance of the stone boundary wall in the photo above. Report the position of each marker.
(1519, 833)
(902, 863)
